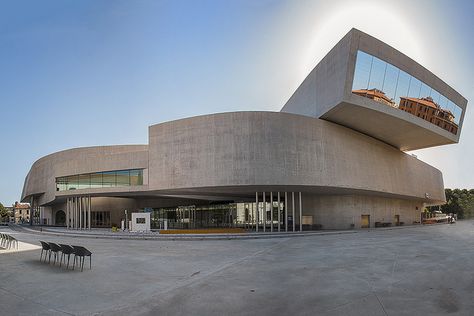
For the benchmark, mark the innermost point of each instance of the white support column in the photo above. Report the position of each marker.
(75, 213)
(293, 209)
(84, 212)
(286, 211)
(301, 214)
(256, 211)
(264, 215)
(71, 217)
(72, 213)
(80, 212)
(271, 210)
(89, 216)
(67, 213)
(279, 210)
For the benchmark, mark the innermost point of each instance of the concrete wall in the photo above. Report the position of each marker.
(327, 93)
(339, 212)
(41, 180)
(247, 149)
(324, 87)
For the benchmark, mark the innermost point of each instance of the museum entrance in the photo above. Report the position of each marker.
(268, 216)
(196, 216)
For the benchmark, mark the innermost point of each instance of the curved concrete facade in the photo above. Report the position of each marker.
(340, 155)
(245, 149)
(41, 180)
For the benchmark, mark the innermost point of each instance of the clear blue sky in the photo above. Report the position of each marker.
(84, 73)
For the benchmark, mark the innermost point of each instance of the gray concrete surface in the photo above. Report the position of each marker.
(421, 270)
(326, 93)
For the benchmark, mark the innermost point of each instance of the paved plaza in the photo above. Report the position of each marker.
(422, 270)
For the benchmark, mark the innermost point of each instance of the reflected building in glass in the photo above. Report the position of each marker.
(334, 157)
(384, 83)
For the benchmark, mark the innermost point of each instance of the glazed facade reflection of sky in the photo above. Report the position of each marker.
(374, 73)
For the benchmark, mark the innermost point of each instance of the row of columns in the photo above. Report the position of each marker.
(78, 212)
(280, 210)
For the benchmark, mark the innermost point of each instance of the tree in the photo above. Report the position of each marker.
(458, 201)
(3, 211)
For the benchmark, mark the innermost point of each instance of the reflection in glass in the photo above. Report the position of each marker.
(117, 178)
(390, 83)
(84, 181)
(435, 95)
(384, 83)
(72, 182)
(123, 178)
(377, 74)
(415, 88)
(403, 84)
(108, 179)
(363, 65)
(136, 177)
(96, 180)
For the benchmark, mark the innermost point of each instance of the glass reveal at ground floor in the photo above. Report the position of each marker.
(226, 215)
(270, 211)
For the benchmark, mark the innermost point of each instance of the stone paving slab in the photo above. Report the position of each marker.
(413, 271)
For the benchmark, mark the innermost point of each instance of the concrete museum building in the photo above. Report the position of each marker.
(332, 158)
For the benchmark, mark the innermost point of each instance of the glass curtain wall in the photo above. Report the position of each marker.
(384, 83)
(243, 215)
(108, 179)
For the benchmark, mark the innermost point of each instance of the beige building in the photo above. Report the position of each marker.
(21, 213)
(329, 159)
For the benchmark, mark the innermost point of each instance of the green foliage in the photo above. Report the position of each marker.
(3, 211)
(458, 201)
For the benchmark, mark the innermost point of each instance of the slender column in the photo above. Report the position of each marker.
(80, 212)
(286, 211)
(293, 209)
(271, 211)
(264, 215)
(69, 222)
(75, 213)
(89, 215)
(256, 211)
(72, 213)
(279, 211)
(67, 213)
(84, 212)
(301, 214)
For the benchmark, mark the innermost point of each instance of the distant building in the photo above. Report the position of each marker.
(21, 212)
(376, 95)
(428, 110)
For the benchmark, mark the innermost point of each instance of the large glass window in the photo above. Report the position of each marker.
(136, 177)
(96, 180)
(384, 83)
(122, 178)
(107, 179)
(84, 181)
